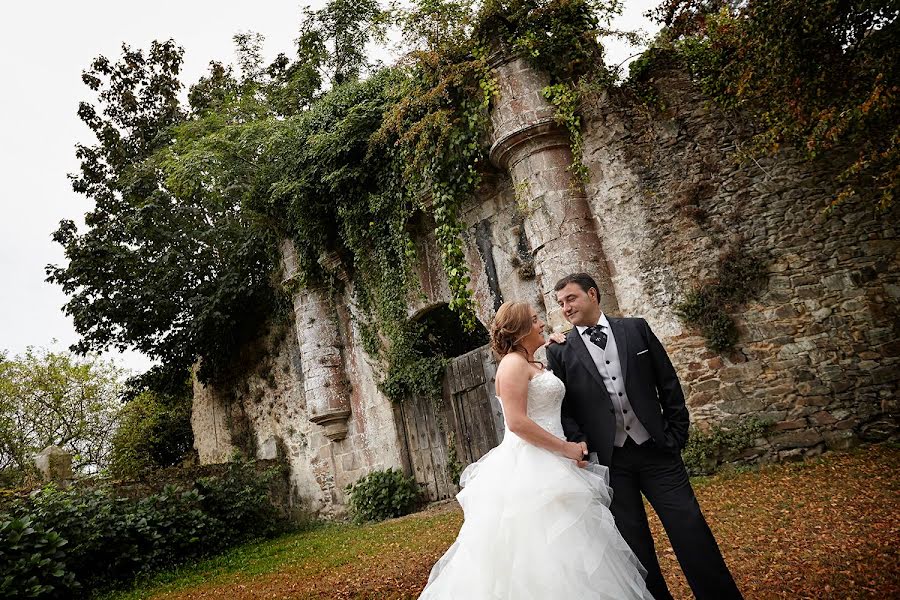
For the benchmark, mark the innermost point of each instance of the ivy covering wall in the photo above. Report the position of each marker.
(180, 260)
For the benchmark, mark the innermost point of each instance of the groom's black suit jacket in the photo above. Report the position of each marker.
(650, 382)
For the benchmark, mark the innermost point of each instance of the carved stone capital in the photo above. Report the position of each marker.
(527, 140)
(334, 421)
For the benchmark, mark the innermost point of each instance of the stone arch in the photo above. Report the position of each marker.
(437, 438)
(444, 332)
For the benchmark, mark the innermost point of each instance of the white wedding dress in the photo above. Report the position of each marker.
(537, 527)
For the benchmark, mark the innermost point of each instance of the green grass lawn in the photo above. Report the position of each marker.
(321, 548)
(826, 528)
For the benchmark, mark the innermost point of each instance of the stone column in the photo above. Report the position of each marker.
(321, 360)
(55, 465)
(535, 150)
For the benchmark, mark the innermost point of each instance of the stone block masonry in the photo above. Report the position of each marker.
(818, 353)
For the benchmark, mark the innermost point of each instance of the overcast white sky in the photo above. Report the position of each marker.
(44, 46)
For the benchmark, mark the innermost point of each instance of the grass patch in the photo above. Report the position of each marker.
(321, 548)
(253, 558)
(824, 528)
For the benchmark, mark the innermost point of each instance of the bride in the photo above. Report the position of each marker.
(537, 524)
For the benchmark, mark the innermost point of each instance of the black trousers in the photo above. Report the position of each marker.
(663, 479)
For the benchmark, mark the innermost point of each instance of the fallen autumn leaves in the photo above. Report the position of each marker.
(825, 529)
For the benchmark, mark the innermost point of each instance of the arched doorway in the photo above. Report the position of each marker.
(445, 333)
(440, 438)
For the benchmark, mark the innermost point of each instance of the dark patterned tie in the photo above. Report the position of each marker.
(597, 336)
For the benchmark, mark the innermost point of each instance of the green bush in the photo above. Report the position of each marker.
(113, 538)
(110, 538)
(740, 275)
(705, 308)
(32, 561)
(382, 495)
(12, 477)
(239, 503)
(154, 431)
(704, 451)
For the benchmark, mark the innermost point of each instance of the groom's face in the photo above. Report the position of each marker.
(579, 307)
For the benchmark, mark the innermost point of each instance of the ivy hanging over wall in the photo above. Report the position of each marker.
(565, 98)
(441, 123)
(180, 257)
(819, 75)
(340, 156)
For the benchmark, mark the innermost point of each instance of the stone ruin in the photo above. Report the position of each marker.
(55, 465)
(818, 353)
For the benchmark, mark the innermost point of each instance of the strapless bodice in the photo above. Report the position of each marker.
(545, 395)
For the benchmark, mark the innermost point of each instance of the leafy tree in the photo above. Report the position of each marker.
(171, 263)
(53, 398)
(437, 25)
(820, 75)
(154, 431)
(336, 36)
(175, 270)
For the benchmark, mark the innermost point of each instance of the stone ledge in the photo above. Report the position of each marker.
(334, 422)
(503, 148)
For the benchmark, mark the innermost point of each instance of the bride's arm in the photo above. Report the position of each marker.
(512, 387)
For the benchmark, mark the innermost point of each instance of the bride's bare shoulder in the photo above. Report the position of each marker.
(512, 370)
(512, 365)
(513, 360)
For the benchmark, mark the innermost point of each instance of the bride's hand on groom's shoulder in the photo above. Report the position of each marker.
(555, 338)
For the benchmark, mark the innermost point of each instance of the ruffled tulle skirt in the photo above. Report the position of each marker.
(537, 527)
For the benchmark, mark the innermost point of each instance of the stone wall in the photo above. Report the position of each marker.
(819, 350)
(818, 354)
(264, 413)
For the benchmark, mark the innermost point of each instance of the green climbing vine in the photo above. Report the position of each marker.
(565, 98)
(454, 467)
(740, 274)
(348, 160)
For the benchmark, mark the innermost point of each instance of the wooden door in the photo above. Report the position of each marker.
(469, 414)
(469, 390)
(424, 435)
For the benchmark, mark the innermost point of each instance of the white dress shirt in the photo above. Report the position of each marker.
(610, 368)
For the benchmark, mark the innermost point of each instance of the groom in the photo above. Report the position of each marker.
(624, 400)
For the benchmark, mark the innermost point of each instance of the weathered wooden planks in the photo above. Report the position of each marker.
(469, 411)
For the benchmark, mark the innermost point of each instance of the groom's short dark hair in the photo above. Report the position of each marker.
(584, 281)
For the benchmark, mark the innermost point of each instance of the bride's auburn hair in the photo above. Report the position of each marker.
(510, 326)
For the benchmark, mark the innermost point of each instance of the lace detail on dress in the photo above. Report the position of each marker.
(545, 396)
